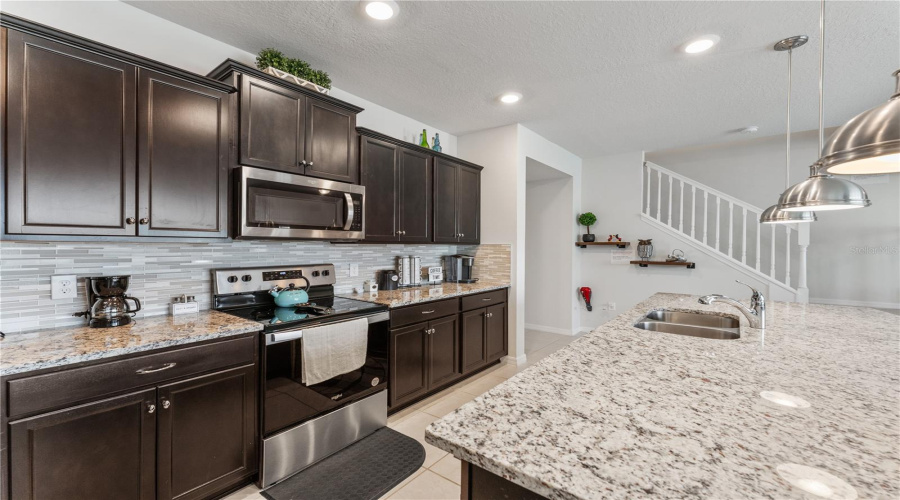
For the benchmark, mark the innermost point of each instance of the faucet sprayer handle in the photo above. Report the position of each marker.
(756, 294)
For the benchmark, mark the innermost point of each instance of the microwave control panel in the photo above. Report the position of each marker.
(356, 225)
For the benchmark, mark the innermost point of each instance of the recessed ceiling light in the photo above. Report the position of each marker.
(701, 44)
(381, 9)
(510, 97)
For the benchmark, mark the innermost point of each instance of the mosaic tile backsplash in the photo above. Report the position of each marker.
(161, 271)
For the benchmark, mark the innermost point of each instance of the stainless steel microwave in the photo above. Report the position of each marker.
(289, 206)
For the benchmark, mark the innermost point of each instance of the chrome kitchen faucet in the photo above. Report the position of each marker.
(756, 315)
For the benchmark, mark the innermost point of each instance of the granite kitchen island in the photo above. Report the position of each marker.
(628, 413)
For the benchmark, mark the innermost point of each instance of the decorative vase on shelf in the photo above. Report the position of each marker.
(437, 142)
(424, 142)
(588, 238)
(645, 249)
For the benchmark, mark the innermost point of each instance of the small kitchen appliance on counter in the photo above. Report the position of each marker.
(458, 269)
(304, 423)
(109, 306)
(389, 280)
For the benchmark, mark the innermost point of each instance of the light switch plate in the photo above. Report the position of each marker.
(63, 287)
(354, 270)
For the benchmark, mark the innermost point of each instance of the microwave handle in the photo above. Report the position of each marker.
(351, 212)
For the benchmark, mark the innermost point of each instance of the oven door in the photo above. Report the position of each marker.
(288, 402)
(282, 205)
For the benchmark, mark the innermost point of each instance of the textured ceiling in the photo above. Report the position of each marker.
(598, 77)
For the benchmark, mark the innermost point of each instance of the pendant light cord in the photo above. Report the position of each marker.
(822, 79)
(787, 156)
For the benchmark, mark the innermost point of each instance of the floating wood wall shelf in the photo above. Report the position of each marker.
(620, 244)
(645, 263)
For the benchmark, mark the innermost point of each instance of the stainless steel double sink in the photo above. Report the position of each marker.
(702, 325)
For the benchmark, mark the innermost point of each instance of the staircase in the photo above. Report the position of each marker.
(726, 228)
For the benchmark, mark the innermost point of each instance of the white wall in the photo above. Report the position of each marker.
(548, 250)
(129, 28)
(611, 189)
(838, 273)
(504, 152)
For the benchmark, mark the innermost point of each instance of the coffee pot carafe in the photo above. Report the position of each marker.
(109, 304)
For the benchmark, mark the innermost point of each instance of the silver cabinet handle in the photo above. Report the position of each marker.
(487, 299)
(166, 404)
(428, 312)
(309, 164)
(150, 407)
(398, 233)
(302, 163)
(462, 235)
(129, 221)
(144, 221)
(151, 369)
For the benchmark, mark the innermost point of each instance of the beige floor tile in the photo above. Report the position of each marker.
(249, 492)
(403, 483)
(535, 340)
(450, 467)
(448, 403)
(506, 370)
(480, 385)
(414, 427)
(428, 486)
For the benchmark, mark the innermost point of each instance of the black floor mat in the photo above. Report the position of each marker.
(364, 470)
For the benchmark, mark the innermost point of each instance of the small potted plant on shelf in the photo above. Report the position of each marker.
(587, 219)
(275, 63)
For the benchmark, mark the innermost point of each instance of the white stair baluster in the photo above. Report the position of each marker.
(693, 209)
(669, 213)
(658, 193)
(772, 262)
(705, 214)
(731, 229)
(647, 177)
(787, 256)
(758, 236)
(744, 238)
(681, 208)
(718, 221)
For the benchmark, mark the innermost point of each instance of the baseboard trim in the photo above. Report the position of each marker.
(549, 329)
(512, 360)
(855, 303)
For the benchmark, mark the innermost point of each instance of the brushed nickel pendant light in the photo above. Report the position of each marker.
(822, 191)
(869, 143)
(773, 214)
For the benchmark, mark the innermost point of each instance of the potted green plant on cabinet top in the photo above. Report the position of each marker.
(273, 62)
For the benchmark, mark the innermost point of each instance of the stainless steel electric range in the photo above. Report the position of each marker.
(302, 424)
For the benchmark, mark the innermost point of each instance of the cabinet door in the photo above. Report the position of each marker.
(273, 126)
(102, 450)
(331, 143)
(408, 354)
(415, 188)
(473, 344)
(379, 176)
(443, 351)
(495, 337)
(468, 211)
(207, 437)
(71, 140)
(446, 184)
(183, 152)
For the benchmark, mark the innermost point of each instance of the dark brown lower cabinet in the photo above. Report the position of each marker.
(473, 336)
(101, 450)
(423, 357)
(495, 337)
(479, 484)
(205, 434)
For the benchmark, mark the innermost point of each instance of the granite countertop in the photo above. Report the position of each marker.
(628, 413)
(415, 295)
(29, 351)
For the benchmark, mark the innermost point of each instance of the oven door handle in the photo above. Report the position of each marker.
(351, 211)
(279, 337)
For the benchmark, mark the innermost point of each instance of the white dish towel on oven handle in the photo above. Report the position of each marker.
(331, 350)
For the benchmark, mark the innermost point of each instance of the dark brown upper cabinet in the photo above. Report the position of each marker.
(273, 126)
(331, 144)
(71, 140)
(291, 128)
(183, 158)
(457, 202)
(398, 185)
(102, 142)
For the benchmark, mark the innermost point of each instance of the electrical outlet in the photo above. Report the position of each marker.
(63, 287)
(612, 306)
(354, 270)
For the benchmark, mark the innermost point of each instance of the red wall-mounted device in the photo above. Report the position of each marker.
(586, 295)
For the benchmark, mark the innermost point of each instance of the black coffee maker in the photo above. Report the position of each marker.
(109, 306)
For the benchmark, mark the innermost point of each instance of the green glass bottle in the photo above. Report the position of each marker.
(424, 142)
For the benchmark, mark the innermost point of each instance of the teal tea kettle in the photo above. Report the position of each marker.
(290, 296)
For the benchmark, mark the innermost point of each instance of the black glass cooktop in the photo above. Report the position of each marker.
(318, 310)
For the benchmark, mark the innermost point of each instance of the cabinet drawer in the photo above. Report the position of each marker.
(423, 312)
(483, 299)
(54, 390)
